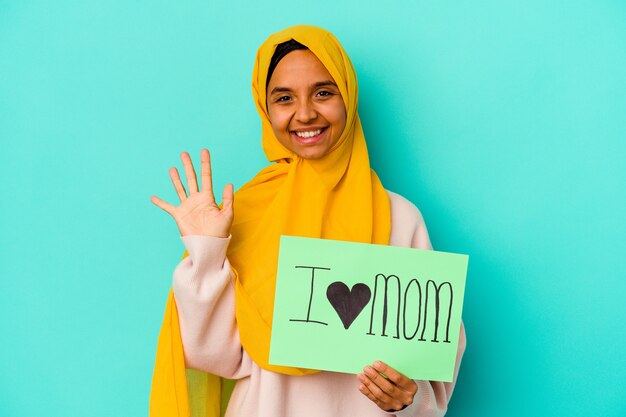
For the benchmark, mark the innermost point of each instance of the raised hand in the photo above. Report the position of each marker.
(387, 388)
(198, 214)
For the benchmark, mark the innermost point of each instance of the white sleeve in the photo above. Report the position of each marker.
(205, 298)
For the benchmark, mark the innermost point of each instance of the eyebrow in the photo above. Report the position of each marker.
(316, 85)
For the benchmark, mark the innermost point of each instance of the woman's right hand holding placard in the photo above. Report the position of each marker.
(198, 213)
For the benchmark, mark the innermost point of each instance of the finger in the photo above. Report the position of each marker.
(162, 204)
(402, 381)
(178, 186)
(190, 173)
(398, 395)
(384, 384)
(365, 391)
(375, 390)
(206, 173)
(227, 198)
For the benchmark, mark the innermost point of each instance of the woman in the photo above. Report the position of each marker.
(319, 185)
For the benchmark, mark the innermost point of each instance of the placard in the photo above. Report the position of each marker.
(342, 305)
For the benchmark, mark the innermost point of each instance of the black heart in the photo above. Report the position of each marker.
(348, 303)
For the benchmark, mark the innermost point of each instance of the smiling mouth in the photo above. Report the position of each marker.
(308, 137)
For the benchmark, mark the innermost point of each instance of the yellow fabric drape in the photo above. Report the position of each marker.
(334, 197)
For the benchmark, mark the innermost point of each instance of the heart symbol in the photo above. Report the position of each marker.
(348, 303)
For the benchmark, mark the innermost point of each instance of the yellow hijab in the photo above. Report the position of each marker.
(334, 197)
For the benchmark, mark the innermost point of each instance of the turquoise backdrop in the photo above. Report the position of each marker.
(503, 121)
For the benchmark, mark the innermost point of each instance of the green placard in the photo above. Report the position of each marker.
(342, 305)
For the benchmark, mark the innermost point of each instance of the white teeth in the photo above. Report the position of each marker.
(309, 134)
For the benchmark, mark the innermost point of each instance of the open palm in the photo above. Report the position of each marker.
(198, 213)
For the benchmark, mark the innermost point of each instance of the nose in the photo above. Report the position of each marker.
(305, 111)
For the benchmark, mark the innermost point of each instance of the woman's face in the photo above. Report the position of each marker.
(304, 104)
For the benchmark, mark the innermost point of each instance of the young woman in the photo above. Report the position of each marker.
(319, 184)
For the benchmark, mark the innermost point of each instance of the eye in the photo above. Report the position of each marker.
(282, 99)
(324, 93)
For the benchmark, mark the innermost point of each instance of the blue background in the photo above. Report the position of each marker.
(502, 121)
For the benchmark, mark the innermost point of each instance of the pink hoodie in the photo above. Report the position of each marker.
(205, 298)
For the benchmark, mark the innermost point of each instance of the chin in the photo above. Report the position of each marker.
(310, 153)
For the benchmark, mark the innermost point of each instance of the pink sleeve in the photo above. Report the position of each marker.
(205, 299)
(432, 397)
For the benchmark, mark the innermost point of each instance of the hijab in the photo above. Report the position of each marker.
(335, 197)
